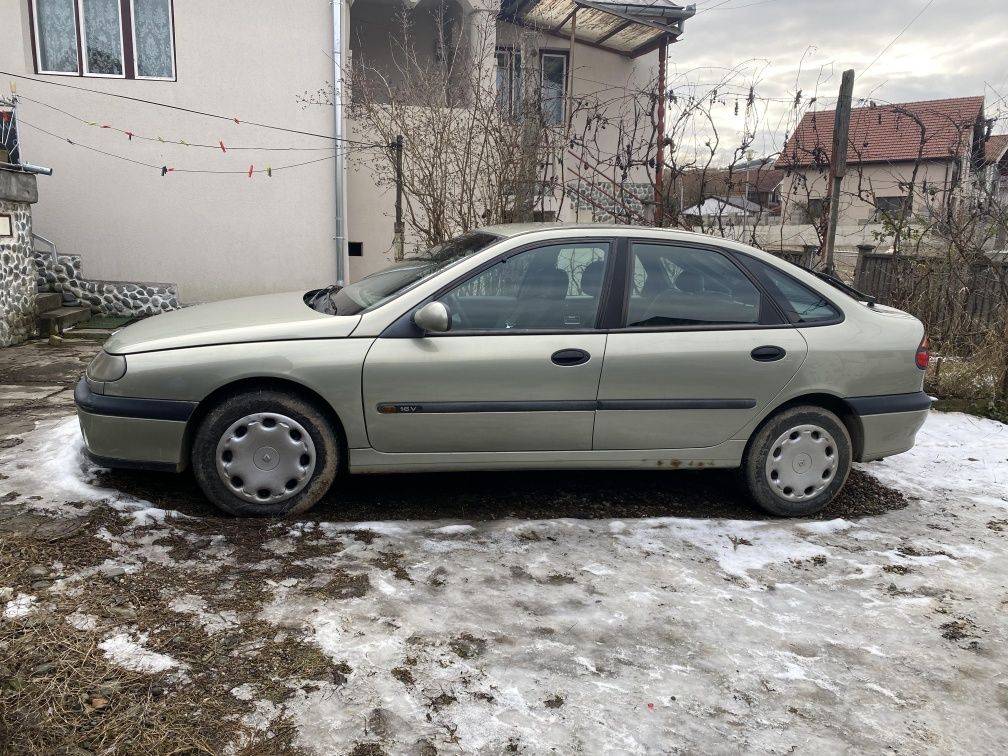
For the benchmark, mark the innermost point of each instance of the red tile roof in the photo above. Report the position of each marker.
(886, 133)
(994, 147)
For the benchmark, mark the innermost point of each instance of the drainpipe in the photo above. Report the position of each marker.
(338, 10)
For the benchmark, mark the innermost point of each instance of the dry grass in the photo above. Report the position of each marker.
(61, 694)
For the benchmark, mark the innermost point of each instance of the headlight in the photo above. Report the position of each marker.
(107, 367)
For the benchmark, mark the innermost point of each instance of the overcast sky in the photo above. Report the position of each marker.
(956, 48)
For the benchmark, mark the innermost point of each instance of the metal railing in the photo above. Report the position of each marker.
(66, 295)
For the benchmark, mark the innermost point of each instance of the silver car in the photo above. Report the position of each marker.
(519, 347)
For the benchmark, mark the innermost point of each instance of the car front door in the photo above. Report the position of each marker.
(518, 369)
(700, 351)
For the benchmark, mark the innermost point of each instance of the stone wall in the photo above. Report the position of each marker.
(18, 308)
(104, 297)
(602, 198)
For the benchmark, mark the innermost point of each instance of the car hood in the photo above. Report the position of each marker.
(271, 317)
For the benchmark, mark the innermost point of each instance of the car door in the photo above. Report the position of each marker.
(700, 350)
(518, 369)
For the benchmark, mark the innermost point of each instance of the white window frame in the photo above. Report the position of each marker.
(83, 44)
(38, 43)
(563, 90)
(171, 42)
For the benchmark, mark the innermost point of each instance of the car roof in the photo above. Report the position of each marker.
(509, 230)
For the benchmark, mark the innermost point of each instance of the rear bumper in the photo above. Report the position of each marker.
(889, 423)
(132, 433)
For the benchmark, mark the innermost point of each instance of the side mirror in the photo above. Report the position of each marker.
(433, 317)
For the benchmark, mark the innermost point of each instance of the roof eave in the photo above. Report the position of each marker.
(668, 33)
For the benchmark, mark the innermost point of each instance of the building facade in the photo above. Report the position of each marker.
(195, 143)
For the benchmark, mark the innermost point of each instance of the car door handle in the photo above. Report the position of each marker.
(566, 357)
(767, 353)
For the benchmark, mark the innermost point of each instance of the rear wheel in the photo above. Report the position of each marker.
(798, 461)
(265, 454)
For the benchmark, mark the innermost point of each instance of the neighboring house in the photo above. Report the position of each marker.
(764, 186)
(162, 207)
(996, 167)
(758, 181)
(729, 209)
(934, 146)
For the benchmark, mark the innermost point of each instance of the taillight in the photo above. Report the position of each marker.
(923, 354)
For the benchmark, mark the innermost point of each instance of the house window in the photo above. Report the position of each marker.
(815, 210)
(101, 34)
(153, 39)
(554, 87)
(891, 208)
(132, 39)
(552, 84)
(55, 36)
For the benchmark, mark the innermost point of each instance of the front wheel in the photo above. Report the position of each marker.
(798, 461)
(265, 454)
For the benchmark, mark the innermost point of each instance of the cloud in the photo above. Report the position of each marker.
(956, 48)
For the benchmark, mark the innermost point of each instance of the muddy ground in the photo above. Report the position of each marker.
(495, 613)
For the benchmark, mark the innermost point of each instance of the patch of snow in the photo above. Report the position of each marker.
(211, 622)
(124, 652)
(826, 527)
(83, 622)
(280, 546)
(244, 692)
(19, 606)
(453, 529)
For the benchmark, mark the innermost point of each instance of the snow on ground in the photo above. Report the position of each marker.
(124, 651)
(623, 636)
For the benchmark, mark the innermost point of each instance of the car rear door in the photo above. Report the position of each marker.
(700, 350)
(518, 370)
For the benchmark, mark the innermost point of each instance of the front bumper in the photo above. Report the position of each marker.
(131, 432)
(889, 423)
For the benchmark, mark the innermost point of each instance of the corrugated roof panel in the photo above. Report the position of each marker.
(633, 37)
(623, 26)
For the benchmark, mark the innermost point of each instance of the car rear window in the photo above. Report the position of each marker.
(808, 305)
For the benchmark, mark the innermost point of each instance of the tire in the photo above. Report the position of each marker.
(798, 461)
(265, 454)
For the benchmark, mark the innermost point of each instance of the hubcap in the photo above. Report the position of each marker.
(265, 458)
(802, 462)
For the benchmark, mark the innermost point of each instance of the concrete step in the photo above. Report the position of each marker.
(48, 300)
(60, 318)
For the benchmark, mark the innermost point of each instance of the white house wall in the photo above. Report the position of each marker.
(215, 235)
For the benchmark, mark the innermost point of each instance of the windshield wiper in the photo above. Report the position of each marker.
(312, 298)
(844, 287)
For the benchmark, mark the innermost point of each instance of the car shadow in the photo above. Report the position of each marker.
(533, 495)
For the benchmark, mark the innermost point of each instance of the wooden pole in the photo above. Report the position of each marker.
(838, 160)
(659, 194)
(398, 230)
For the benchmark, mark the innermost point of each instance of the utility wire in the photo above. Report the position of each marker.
(884, 49)
(155, 103)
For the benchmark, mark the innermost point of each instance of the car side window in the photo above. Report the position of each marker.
(809, 306)
(550, 288)
(687, 286)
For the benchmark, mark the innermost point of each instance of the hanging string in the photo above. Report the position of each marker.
(130, 134)
(165, 169)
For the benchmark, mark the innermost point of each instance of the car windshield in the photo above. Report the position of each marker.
(378, 288)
